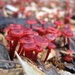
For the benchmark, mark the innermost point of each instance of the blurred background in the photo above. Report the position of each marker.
(49, 10)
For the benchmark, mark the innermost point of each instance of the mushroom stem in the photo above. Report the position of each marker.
(11, 53)
(49, 50)
(28, 54)
(35, 56)
(68, 40)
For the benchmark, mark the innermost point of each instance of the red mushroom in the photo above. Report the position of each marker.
(40, 41)
(50, 37)
(50, 46)
(16, 35)
(42, 23)
(34, 34)
(68, 57)
(31, 22)
(59, 24)
(37, 50)
(67, 32)
(51, 30)
(28, 49)
(23, 41)
(40, 30)
(27, 31)
(14, 26)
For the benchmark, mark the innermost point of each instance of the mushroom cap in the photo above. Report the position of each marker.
(51, 45)
(38, 49)
(39, 29)
(67, 31)
(68, 58)
(70, 51)
(31, 21)
(16, 33)
(40, 41)
(50, 37)
(34, 34)
(36, 27)
(27, 31)
(29, 46)
(14, 26)
(27, 40)
(51, 30)
(58, 23)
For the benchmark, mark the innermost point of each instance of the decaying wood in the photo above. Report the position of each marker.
(16, 71)
(57, 63)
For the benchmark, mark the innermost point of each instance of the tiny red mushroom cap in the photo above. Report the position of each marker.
(67, 31)
(41, 41)
(29, 46)
(70, 51)
(58, 23)
(51, 45)
(15, 26)
(68, 57)
(37, 27)
(31, 21)
(16, 33)
(40, 30)
(51, 30)
(50, 37)
(27, 40)
(34, 34)
(28, 31)
(67, 27)
(38, 49)
(28, 49)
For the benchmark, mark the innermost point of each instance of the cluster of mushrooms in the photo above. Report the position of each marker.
(34, 39)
